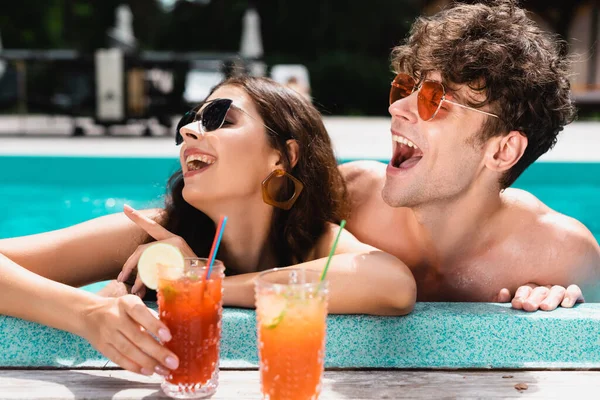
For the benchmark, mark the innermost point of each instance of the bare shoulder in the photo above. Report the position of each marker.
(561, 227)
(571, 245)
(362, 171)
(364, 179)
(371, 220)
(576, 240)
(576, 254)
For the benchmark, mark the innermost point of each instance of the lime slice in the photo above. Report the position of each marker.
(168, 292)
(271, 309)
(160, 254)
(275, 321)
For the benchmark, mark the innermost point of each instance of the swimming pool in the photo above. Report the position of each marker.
(41, 193)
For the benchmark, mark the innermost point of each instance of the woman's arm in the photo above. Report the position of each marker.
(88, 252)
(35, 274)
(362, 279)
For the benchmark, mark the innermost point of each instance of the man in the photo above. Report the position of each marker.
(482, 93)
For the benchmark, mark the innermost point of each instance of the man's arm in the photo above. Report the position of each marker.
(574, 275)
(586, 265)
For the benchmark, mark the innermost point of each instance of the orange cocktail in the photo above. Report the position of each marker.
(291, 310)
(191, 307)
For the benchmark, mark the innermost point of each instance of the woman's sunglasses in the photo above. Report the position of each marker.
(210, 118)
(430, 96)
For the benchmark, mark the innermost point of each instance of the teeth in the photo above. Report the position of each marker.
(200, 157)
(192, 165)
(404, 141)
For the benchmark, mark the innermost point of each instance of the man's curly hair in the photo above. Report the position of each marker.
(498, 51)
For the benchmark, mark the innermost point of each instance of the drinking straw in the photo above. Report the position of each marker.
(215, 245)
(342, 224)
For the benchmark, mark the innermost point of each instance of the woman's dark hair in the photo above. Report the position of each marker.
(294, 232)
(498, 51)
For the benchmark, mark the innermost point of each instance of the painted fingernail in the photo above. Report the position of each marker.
(171, 362)
(568, 302)
(162, 371)
(164, 334)
(127, 207)
(146, 372)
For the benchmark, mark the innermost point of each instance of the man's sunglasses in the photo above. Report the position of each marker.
(430, 96)
(210, 116)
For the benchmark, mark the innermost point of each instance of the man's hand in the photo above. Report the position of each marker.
(532, 297)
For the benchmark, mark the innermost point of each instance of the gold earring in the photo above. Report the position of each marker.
(276, 189)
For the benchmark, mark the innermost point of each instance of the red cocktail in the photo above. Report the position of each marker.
(191, 307)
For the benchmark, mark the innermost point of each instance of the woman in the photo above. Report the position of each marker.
(250, 136)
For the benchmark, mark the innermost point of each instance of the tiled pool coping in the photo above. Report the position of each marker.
(434, 335)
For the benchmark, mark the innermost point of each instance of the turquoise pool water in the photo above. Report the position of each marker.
(45, 193)
(42, 193)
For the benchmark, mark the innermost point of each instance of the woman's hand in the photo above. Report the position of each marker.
(159, 233)
(121, 328)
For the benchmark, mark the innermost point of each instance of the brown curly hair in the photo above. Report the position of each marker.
(294, 233)
(498, 51)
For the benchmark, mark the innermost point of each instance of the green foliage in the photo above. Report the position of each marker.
(346, 83)
(25, 25)
(214, 27)
(345, 47)
(54, 22)
(82, 10)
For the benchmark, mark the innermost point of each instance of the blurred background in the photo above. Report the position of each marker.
(117, 61)
(90, 92)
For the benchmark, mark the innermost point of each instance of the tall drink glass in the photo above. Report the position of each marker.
(191, 307)
(291, 310)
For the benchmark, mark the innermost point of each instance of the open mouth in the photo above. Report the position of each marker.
(406, 153)
(197, 162)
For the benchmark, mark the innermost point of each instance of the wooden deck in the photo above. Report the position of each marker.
(343, 384)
